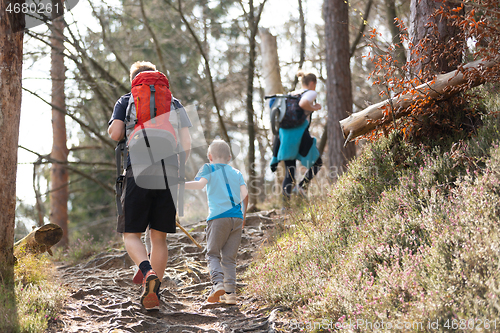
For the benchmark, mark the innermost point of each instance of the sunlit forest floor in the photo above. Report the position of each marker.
(407, 240)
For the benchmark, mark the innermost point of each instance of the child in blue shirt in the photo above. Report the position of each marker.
(227, 201)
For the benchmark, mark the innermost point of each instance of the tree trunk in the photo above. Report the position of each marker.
(58, 171)
(302, 58)
(270, 63)
(390, 6)
(38, 196)
(39, 240)
(435, 49)
(364, 121)
(339, 94)
(206, 111)
(11, 63)
(272, 79)
(253, 23)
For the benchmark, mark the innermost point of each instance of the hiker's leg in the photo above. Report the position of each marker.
(289, 179)
(217, 233)
(135, 247)
(229, 253)
(161, 221)
(159, 252)
(134, 220)
(313, 171)
(147, 240)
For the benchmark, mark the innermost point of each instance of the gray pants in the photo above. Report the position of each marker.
(223, 240)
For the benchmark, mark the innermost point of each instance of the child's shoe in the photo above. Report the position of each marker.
(228, 298)
(149, 297)
(216, 292)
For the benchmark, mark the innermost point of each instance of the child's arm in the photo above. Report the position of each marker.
(196, 184)
(244, 195)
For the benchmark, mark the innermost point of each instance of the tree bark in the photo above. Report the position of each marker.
(252, 179)
(273, 85)
(339, 94)
(270, 63)
(364, 121)
(302, 58)
(39, 240)
(253, 24)
(390, 6)
(36, 188)
(435, 49)
(11, 63)
(58, 171)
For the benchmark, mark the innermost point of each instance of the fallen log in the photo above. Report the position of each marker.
(39, 240)
(364, 121)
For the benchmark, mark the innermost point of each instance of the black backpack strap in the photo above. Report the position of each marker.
(129, 125)
(152, 105)
(119, 153)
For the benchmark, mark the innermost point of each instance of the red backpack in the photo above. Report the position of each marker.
(151, 133)
(151, 136)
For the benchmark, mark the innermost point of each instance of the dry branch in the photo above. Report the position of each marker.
(364, 121)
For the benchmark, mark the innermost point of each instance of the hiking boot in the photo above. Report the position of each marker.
(149, 297)
(216, 292)
(228, 298)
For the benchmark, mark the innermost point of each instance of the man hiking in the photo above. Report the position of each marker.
(148, 206)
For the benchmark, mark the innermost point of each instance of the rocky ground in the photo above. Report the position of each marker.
(104, 299)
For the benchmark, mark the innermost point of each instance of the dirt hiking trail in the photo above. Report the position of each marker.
(104, 298)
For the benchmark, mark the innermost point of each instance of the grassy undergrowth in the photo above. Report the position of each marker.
(34, 299)
(408, 238)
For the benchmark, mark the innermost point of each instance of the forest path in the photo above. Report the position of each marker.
(104, 298)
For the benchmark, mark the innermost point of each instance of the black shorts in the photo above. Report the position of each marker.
(145, 207)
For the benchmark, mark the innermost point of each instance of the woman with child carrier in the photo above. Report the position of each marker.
(296, 143)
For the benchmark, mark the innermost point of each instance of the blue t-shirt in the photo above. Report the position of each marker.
(223, 190)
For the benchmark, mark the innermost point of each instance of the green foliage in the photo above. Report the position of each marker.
(32, 269)
(37, 304)
(28, 305)
(122, 40)
(36, 299)
(410, 234)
